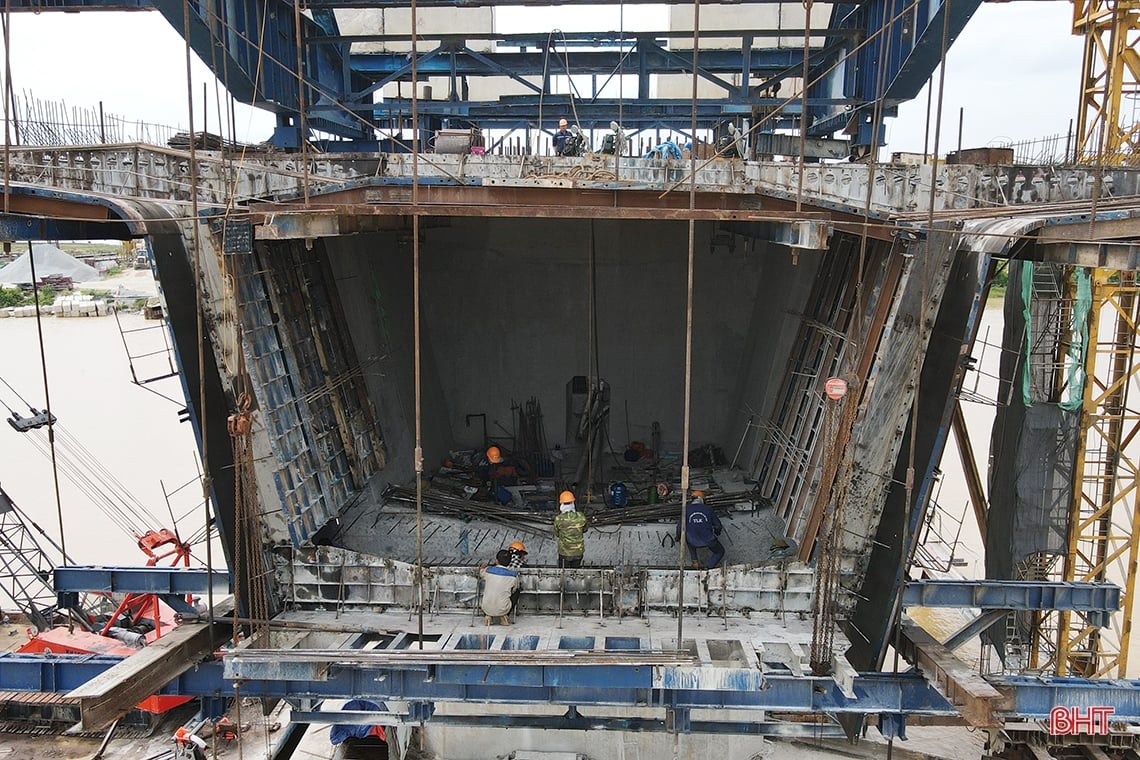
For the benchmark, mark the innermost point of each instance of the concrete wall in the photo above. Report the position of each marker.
(506, 318)
(428, 21)
(374, 280)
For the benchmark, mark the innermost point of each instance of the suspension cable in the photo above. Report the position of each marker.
(47, 408)
(7, 95)
(302, 123)
(203, 425)
(619, 138)
(16, 392)
(928, 266)
(804, 109)
(792, 98)
(688, 337)
(419, 452)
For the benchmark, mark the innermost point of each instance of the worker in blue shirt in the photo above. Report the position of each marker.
(702, 528)
(560, 138)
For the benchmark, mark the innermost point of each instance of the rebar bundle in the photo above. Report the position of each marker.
(449, 504)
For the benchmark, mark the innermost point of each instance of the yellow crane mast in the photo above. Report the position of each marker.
(1104, 518)
(1110, 81)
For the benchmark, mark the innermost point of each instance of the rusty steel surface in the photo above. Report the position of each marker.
(554, 211)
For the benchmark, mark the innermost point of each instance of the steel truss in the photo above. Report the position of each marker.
(865, 59)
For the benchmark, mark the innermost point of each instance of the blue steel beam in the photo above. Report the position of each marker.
(903, 48)
(1098, 599)
(1031, 698)
(251, 46)
(18, 227)
(647, 57)
(611, 685)
(140, 580)
(517, 115)
(944, 22)
(1024, 698)
(576, 722)
(973, 628)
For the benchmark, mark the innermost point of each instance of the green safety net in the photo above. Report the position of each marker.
(1078, 338)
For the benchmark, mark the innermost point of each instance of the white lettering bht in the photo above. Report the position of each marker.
(1065, 721)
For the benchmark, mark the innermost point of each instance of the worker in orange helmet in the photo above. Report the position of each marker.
(189, 745)
(702, 531)
(501, 471)
(569, 525)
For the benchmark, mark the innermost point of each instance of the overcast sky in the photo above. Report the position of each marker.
(1015, 70)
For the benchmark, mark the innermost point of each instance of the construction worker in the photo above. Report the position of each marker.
(702, 528)
(500, 472)
(500, 585)
(560, 137)
(189, 745)
(569, 526)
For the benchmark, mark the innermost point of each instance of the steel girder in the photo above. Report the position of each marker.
(141, 580)
(1096, 601)
(629, 684)
(903, 46)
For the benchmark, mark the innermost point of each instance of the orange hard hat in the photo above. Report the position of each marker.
(566, 497)
(494, 456)
(518, 546)
(698, 494)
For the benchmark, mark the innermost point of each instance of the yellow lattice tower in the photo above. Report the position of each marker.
(1110, 76)
(1104, 524)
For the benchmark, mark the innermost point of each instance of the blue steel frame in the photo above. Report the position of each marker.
(140, 580)
(987, 594)
(898, 695)
(902, 45)
(1097, 600)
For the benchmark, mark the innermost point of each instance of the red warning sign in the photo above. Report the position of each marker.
(835, 388)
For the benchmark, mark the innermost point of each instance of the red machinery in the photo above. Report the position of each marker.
(135, 614)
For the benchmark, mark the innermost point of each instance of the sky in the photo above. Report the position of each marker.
(1015, 71)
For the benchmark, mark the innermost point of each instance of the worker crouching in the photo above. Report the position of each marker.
(499, 585)
(702, 531)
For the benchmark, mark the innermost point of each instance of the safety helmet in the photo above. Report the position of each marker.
(566, 497)
(494, 456)
(562, 122)
(518, 546)
(698, 494)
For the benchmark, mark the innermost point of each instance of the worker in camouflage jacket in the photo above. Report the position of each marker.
(569, 526)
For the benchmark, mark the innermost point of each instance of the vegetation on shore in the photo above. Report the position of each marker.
(19, 297)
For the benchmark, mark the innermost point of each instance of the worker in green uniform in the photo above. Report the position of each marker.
(569, 526)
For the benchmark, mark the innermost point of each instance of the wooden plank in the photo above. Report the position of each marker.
(970, 467)
(953, 678)
(111, 694)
